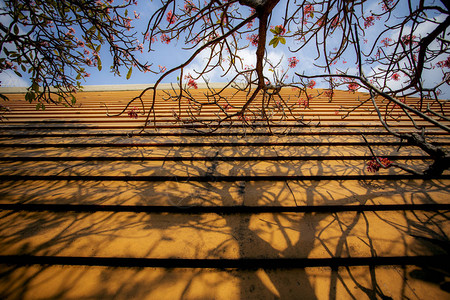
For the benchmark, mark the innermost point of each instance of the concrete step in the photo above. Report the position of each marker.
(345, 234)
(105, 282)
(294, 194)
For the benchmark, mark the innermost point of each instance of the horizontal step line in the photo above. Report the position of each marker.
(243, 263)
(89, 126)
(215, 178)
(196, 144)
(196, 209)
(209, 158)
(196, 134)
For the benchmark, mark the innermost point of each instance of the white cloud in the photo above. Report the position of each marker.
(9, 79)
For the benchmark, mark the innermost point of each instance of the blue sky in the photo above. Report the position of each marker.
(171, 55)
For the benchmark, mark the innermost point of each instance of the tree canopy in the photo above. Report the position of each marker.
(56, 42)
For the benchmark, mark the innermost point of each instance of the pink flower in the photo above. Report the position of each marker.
(444, 63)
(140, 47)
(171, 18)
(292, 61)
(386, 41)
(396, 77)
(80, 44)
(254, 39)
(308, 10)
(280, 29)
(133, 113)
(353, 87)
(165, 38)
(369, 21)
(127, 24)
(192, 83)
(189, 7)
(136, 15)
(162, 69)
(373, 165)
(409, 39)
(387, 5)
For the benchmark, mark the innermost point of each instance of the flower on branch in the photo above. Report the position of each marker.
(133, 113)
(171, 18)
(387, 5)
(191, 82)
(303, 102)
(165, 38)
(369, 21)
(353, 87)
(409, 40)
(311, 84)
(308, 11)
(140, 47)
(396, 77)
(71, 32)
(444, 63)
(127, 24)
(293, 61)
(162, 69)
(278, 30)
(329, 93)
(189, 7)
(254, 39)
(386, 41)
(373, 165)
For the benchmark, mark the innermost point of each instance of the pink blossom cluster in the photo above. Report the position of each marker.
(373, 165)
(191, 82)
(353, 87)
(444, 63)
(254, 39)
(292, 62)
(133, 113)
(171, 18)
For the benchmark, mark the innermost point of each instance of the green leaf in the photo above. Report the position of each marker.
(274, 42)
(74, 100)
(38, 105)
(23, 68)
(126, 12)
(129, 73)
(99, 64)
(273, 31)
(98, 48)
(35, 87)
(30, 96)
(17, 73)
(78, 76)
(282, 40)
(16, 29)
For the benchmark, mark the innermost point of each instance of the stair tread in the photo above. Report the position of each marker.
(203, 236)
